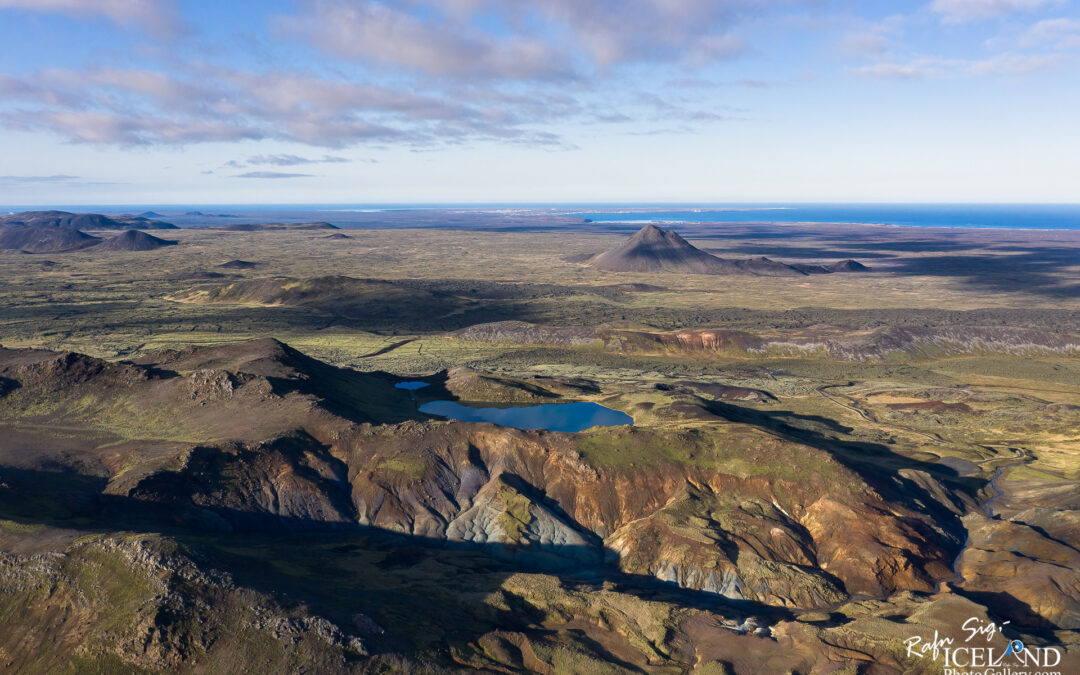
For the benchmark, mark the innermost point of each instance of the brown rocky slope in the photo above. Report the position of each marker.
(258, 438)
(280, 448)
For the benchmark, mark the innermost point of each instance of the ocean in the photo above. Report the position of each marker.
(1020, 216)
(518, 216)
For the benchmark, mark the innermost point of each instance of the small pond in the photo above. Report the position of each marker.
(553, 416)
(411, 386)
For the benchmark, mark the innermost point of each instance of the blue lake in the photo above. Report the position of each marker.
(553, 416)
(411, 386)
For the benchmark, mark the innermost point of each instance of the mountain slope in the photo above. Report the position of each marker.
(653, 249)
(44, 239)
(322, 484)
(133, 240)
(83, 221)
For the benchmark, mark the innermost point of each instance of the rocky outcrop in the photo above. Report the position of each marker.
(516, 525)
(746, 551)
(771, 541)
(886, 343)
(211, 385)
(139, 603)
(291, 483)
(520, 332)
(878, 553)
(471, 385)
(727, 509)
(686, 341)
(892, 342)
(725, 392)
(1020, 572)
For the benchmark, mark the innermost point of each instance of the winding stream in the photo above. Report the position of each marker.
(987, 505)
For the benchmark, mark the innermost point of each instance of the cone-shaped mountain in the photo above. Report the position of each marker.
(653, 249)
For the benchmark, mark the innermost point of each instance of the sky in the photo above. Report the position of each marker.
(504, 101)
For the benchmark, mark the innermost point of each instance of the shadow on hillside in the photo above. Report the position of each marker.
(8, 385)
(868, 459)
(1037, 270)
(420, 589)
(864, 458)
(910, 246)
(825, 252)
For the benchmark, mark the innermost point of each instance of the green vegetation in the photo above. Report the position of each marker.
(516, 517)
(736, 451)
(248, 507)
(412, 467)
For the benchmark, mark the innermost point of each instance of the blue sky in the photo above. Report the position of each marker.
(395, 101)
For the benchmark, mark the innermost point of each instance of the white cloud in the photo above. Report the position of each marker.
(214, 103)
(293, 160)
(1016, 64)
(873, 39)
(918, 69)
(380, 33)
(551, 40)
(1053, 34)
(619, 31)
(55, 178)
(1008, 64)
(970, 10)
(159, 17)
(273, 175)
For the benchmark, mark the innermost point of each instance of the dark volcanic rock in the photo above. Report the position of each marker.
(840, 266)
(926, 341)
(655, 250)
(238, 265)
(812, 269)
(44, 239)
(769, 268)
(521, 332)
(83, 221)
(196, 276)
(637, 288)
(261, 227)
(133, 240)
(726, 392)
(847, 266)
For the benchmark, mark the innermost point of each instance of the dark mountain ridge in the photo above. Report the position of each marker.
(133, 240)
(653, 250)
(83, 221)
(44, 239)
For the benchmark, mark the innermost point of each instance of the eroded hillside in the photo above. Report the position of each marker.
(728, 525)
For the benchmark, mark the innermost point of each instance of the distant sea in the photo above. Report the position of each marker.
(1009, 216)
(1022, 216)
